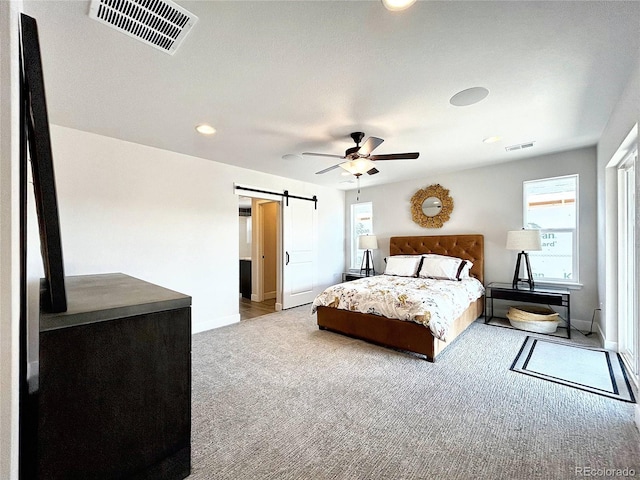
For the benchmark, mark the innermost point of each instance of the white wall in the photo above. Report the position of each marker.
(624, 116)
(168, 218)
(488, 200)
(9, 239)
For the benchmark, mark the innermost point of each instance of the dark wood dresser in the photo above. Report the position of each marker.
(114, 396)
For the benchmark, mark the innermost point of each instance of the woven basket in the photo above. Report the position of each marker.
(533, 318)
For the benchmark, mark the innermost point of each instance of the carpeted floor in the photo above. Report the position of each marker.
(276, 398)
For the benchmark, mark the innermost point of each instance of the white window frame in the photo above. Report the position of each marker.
(575, 279)
(357, 254)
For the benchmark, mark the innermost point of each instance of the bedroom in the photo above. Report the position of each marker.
(114, 178)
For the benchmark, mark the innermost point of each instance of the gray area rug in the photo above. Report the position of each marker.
(276, 398)
(591, 369)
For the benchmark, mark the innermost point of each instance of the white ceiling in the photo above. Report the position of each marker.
(286, 77)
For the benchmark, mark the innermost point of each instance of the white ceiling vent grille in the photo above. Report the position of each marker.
(159, 23)
(520, 146)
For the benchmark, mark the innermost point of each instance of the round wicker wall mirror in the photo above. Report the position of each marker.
(431, 206)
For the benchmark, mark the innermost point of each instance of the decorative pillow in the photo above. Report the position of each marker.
(466, 270)
(444, 267)
(403, 266)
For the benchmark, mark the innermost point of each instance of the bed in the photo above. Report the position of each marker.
(409, 335)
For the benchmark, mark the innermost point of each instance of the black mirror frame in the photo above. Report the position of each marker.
(36, 124)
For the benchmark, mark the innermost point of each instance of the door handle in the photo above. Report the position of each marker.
(287, 254)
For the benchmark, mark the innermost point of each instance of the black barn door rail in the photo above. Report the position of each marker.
(284, 194)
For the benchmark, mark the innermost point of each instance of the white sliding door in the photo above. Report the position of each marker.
(627, 261)
(300, 253)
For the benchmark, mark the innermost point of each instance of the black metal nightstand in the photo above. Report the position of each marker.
(349, 276)
(557, 296)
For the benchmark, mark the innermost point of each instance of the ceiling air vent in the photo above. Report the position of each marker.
(159, 23)
(520, 146)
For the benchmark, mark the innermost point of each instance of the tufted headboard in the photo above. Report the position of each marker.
(467, 247)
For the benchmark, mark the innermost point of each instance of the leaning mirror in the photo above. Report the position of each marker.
(431, 206)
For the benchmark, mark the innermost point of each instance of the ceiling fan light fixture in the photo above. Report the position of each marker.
(359, 159)
(205, 129)
(397, 5)
(359, 166)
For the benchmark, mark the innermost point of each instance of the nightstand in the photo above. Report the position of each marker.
(557, 296)
(349, 276)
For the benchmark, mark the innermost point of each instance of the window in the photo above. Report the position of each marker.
(361, 224)
(551, 205)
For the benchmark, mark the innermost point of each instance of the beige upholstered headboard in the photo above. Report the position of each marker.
(467, 247)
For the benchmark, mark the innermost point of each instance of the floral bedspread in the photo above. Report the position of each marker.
(433, 303)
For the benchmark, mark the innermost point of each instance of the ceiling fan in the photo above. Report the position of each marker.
(358, 160)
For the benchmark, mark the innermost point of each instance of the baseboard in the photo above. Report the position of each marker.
(269, 295)
(609, 345)
(581, 325)
(214, 323)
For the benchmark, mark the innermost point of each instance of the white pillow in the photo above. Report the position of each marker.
(403, 266)
(444, 267)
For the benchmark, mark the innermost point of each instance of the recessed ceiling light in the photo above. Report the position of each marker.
(493, 139)
(291, 156)
(397, 5)
(469, 96)
(205, 129)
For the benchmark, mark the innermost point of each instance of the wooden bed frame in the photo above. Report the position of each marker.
(404, 335)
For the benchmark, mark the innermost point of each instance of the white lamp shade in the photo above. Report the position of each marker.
(359, 166)
(367, 242)
(397, 5)
(524, 240)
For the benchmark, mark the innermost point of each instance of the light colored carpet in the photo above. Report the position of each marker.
(276, 398)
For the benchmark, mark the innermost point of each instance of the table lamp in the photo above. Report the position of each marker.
(367, 243)
(524, 241)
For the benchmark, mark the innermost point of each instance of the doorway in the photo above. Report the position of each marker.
(259, 259)
(283, 228)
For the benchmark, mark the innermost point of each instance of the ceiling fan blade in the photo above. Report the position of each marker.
(370, 145)
(373, 171)
(328, 169)
(395, 156)
(322, 155)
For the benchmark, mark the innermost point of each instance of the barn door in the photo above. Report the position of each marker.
(299, 252)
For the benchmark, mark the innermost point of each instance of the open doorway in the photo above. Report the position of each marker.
(259, 227)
